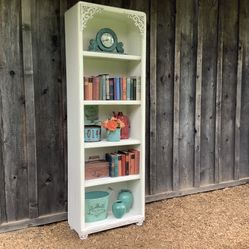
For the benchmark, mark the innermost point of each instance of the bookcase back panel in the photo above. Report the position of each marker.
(121, 24)
(94, 67)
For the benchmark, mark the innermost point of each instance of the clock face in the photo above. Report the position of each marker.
(107, 40)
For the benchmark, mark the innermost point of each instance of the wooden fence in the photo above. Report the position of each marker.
(197, 102)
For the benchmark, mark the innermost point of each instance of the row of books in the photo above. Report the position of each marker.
(123, 163)
(104, 87)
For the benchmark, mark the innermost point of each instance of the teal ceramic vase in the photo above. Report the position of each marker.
(113, 136)
(118, 209)
(126, 197)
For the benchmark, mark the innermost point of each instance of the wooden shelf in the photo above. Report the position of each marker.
(102, 55)
(112, 102)
(108, 180)
(105, 143)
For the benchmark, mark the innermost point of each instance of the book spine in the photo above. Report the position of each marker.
(86, 89)
(120, 89)
(90, 86)
(100, 96)
(124, 88)
(115, 159)
(128, 88)
(116, 88)
(138, 89)
(107, 87)
(123, 164)
(111, 164)
(95, 88)
(131, 90)
(137, 160)
(134, 88)
(119, 165)
(111, 88)
(132, 163)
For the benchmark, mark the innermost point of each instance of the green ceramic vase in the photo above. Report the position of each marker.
(118, 209)
(126, 197)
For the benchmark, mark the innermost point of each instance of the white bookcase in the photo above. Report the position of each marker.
(82, 23)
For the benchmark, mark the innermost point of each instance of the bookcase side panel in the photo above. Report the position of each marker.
(75, 118)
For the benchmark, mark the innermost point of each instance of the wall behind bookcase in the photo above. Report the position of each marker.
(197, 102)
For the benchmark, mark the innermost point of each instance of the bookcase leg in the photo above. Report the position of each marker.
(140, 223)
(83, 236)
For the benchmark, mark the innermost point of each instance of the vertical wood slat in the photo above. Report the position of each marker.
(3, 65)
(13, 114)
(153, 95)
(198, 102)
(29, 109)
(218, 101)
(238, 112)
(209, 15)
(176, 122)
(244, 117)
(165, 86)
(63, 97)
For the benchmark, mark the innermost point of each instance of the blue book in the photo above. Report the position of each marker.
(111, 88)
(115, 159)
(117, 88)
(109, 158)
(128, 88)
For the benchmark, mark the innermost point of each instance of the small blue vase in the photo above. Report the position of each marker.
(113, 136)
(118, 209)
(126, 197)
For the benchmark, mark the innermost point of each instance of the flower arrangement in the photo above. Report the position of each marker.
(113, 124)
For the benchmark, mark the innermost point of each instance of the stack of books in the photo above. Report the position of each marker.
(123, 163)
(104, 87)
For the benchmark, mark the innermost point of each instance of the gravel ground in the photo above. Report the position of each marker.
(218, 219)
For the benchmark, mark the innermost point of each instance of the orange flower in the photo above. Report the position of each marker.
(112, 124)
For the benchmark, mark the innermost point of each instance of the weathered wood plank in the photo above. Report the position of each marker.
(188, 26)
(218, 106)
(177, 79)
(164, 87)
(153, 97)
(198, 102)
(49, 105)
(238, 113)
(3, 65)
(209, 13)
(229, 19)
(13, 114)
(244, 127)
(29, 108)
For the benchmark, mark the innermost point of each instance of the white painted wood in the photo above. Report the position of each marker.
(112, 102)
(104, 143)
(111, 56)
(130, 27)
(109, 180)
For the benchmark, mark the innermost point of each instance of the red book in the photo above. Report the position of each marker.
(86, 88)
(119, 165)
(132, 163)
(127, 162)
(95, 88)
(137, 160)
(90, 88)
(124, 97)
(123, 160)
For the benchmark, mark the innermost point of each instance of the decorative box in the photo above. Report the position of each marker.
(96, 169)
(92, 133)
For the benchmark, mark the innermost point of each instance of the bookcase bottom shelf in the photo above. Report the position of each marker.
(112, 222)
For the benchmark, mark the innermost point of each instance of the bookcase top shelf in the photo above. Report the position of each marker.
(112, 56)
(109, 180)
(112, 102)
(104, 143)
